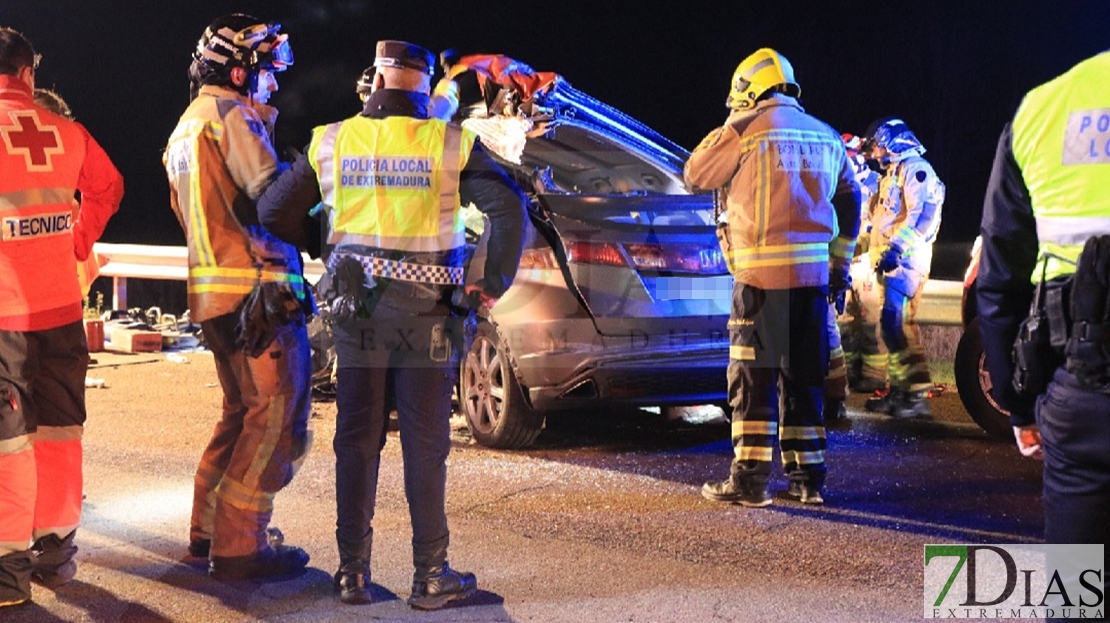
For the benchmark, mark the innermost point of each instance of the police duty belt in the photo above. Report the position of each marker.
(404, 271)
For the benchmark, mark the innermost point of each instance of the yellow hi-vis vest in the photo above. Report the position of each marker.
(1061, 142)
(392, 184)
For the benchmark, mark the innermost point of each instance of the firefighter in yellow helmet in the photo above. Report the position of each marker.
(791, 220)
(392, 180)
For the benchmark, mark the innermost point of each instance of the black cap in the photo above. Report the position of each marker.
(404, 55)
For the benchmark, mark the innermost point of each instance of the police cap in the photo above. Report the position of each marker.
(404, 55)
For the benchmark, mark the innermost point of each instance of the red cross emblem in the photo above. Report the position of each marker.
(36, 143)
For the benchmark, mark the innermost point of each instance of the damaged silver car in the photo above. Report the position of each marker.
(622, 296)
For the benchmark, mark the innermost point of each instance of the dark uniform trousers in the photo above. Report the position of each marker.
(1076, 481)
(387, 362)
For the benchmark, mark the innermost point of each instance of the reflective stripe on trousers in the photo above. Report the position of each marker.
(260, 441)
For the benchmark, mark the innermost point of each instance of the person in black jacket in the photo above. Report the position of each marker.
(390, 181)
(1046, 217)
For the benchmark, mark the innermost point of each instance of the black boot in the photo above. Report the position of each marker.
(834, 410)
(807, 486)
(912, 404)
(15, 579)
(270, 563)
(434, 582)
(433, 588)
(352, 580)
(353, 585)
(746, 486)
(52, 564)
(883, 404)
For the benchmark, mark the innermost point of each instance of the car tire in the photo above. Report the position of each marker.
(974, 384)
(491, 397)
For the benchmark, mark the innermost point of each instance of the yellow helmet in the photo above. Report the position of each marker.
(763, 69)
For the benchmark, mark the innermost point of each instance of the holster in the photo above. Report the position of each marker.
(1039, 347)
(1088, 345)
(345, 292)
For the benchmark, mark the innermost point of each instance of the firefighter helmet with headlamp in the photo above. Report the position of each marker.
(763, 70)
(240, 40)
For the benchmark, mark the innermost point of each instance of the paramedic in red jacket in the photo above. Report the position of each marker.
(44, 160)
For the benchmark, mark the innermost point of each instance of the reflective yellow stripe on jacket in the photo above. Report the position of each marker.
(392, 183)
(222, 280)
(1061, 141)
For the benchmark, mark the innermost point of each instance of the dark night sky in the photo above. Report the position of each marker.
(954, 70)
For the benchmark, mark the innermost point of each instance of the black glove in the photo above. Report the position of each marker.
(839, 284)
(889, 259)
(269, 306)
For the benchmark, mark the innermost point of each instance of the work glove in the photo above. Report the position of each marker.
(839, 284)
(1029, 441)
(267, 308)
(889, 259)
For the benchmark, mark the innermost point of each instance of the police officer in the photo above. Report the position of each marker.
(1048, 193)
(218, 161)
(905, 217)
(390, 181)
(792, 209)
(44, 159)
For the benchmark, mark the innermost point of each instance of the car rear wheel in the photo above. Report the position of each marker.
(491, 396)
(974, 385)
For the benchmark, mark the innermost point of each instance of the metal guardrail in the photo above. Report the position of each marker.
(940, 303)
(140, 261)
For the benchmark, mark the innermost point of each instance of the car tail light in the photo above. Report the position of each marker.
(601, 253)
(691, 259)
(541, 259)
(678, 258)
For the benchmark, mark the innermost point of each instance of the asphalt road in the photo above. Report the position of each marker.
(602, 521)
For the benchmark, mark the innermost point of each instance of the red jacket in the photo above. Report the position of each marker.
(44, 160)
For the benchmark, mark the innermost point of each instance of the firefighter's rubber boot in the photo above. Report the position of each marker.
(912, 404)
(744, 486)
(15, 579)
(52, 563)
(433, 588)
(807, 486)
(271, 563)
(883, 404)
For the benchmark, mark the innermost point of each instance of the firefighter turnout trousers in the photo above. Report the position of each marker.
(260, 441)
(778, 343)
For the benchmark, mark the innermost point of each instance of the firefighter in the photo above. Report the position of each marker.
(905, 216)
(391, 180)
(865, 353)
(45, 158)
(247, 290)
(792, 210)
(1048, 199)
